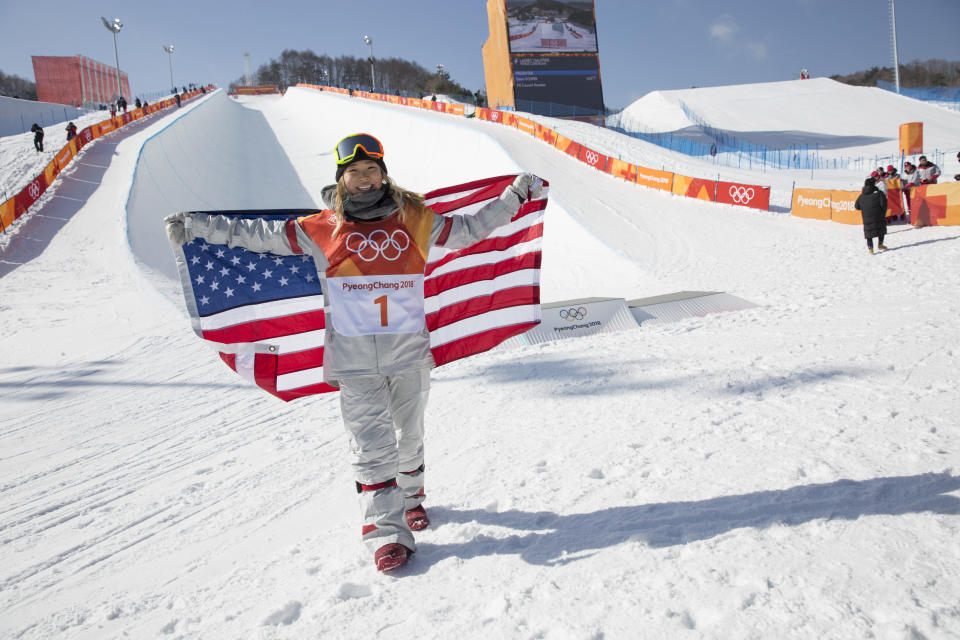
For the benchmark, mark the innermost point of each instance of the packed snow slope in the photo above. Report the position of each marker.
(788, 471)
(819, 112)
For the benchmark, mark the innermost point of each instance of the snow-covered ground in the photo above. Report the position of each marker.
(789, 471)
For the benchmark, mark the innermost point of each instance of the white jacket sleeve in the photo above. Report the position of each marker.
(254, 234)
(457, 232)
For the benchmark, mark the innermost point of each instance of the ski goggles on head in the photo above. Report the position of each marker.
(346, 150)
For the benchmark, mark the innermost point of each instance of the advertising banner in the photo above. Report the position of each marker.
(593, 158)
(842, 209)
(547, 134)
(698, 188)
(568, 146)
(6, 213)
(654, 179)
(622, 169)
(811, 203)
(560, 26)
(526, 125)
(456, 109)
(911, 138)
(509, 118)
(575, 318)
(86, 135)
(495, 115)
(63, 158)
(743, 195)
(30, 194)
(894, 198)
(51, 171)
(935, 204)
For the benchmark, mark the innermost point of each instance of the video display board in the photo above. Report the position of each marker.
(567, 80)
(551, 26)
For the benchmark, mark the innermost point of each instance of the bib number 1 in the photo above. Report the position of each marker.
(382, 301)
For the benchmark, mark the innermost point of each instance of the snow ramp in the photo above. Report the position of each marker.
(220, 155)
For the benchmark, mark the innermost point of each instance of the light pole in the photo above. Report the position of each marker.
(169, 49)
(893, 34)
(373, 80)
(114, 28)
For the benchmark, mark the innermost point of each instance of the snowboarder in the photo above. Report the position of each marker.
(872, 205)
(373, 236)
(37, 137)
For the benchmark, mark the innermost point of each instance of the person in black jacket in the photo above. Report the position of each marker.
(872, 205)
(37, 137)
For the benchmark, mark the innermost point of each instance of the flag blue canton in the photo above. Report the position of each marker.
(225, 278)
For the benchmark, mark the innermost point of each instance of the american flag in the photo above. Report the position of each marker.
(264, 313)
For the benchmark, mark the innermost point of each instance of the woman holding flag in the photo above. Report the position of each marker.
(370, 249)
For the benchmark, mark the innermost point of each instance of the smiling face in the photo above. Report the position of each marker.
(362, 176)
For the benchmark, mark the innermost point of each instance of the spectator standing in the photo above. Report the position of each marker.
(872, 205)
(176, 97)
(71, 131)
(37, 137)
(892, 173)
(928, 171)
(137, 103)
(879, 181)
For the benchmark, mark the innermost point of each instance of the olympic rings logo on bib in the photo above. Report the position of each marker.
(742, 195)
(389, 246)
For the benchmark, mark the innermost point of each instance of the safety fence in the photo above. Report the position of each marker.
(713, 190)
(19, 204)
(944, 96)
(927, 205)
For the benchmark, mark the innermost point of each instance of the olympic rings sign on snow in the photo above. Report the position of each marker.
(591, 157)
(34, 189)
(573, 314)
(741, 195)
(379, 243)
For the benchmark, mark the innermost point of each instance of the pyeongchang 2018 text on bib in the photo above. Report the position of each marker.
(364, 305)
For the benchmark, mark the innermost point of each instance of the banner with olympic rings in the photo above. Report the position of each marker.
(593, 158)
(698, 188)
(568, 146)
(743, 195)
(622, 169)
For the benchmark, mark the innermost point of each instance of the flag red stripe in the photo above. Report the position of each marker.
(437, 285)
(299, 360)
(477, 343)
(490, 244)
(502, 299)
(302, 392)
(257, 330)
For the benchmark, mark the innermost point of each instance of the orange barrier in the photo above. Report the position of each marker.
(911, 138)
(811, 203)
(20, 203)
(654, 179)
(593, 158)
(694, 187)
(547, 134)
(568, 146)
(621, 169)
(894, 198)
(526, 125)
(842, 208)
(935, 205)
(743, 195)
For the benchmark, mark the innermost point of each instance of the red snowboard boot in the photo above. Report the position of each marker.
(417, 518)
(390, 556)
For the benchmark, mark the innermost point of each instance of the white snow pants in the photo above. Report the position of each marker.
(384, 417)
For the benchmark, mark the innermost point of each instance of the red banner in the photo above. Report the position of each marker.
(30, 194)
(744, 195)
(593, 158)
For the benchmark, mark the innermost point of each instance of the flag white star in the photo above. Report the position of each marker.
(241, 280)
(195, 260)
(267, 273)
(278, 261)
(309, 277)
(251, 267)
(214, 285)
(209, 266)
(221, 253)
(294, 269)
(235, 260)
(229, 292)
(199, 280)
(283, 282)
(256, 286)
(224, 271)
(204, 300)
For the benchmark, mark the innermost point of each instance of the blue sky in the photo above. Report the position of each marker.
(644, 45)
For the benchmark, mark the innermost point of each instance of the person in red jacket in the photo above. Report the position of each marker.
(928, 171)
